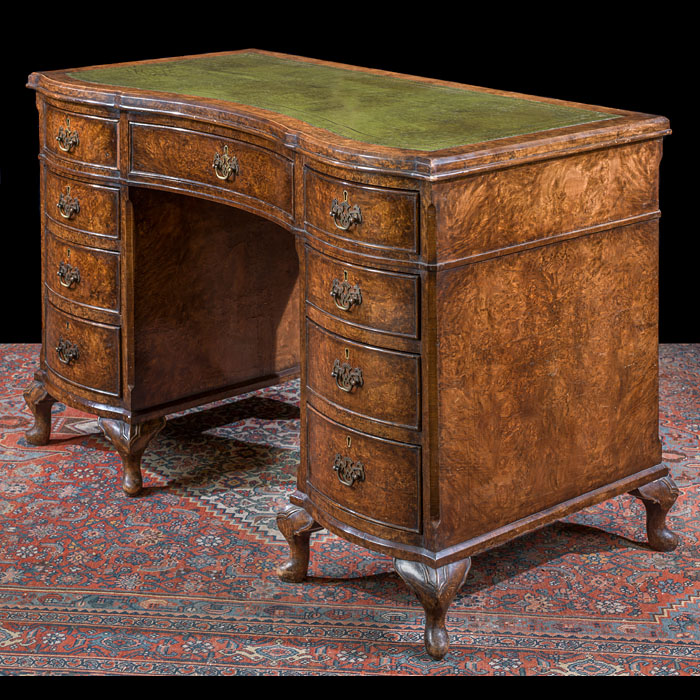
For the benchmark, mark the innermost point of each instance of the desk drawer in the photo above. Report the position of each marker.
(374, 383)
(386, 302)
(81, 274)
(81, 137)
(377, 217)
(80, 205)
(367, 477)
(82, 352)
(190, 156)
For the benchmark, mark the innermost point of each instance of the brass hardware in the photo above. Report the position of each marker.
(344, 295)
(67, 205)
(348, 471)
(67, 352)
(346, 376)
(66, 138)
(68, 275)
(226, 165)
(348, 440)
(344, 216)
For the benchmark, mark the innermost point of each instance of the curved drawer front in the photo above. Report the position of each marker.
(386, 302)
(82, 352)
(82, 275)
(376, 217)
(214, 161)
(80, 205)
(378, 384)
(370, 478)
(81, 137)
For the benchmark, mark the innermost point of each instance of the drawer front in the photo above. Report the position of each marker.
(80, 205)
(380, 301)
(82, 352)
(241, 167)
(378, 384)
(81, 274)
(81, 137)
(371, 478)
(377, 217)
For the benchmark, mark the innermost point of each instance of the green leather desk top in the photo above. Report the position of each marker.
(376, 109)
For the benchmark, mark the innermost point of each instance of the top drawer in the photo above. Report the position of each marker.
(376, 217)
(224, 163)
(81, 137)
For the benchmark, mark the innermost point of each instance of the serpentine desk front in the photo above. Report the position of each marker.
(465, 279)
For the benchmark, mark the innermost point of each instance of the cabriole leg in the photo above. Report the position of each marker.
(658, 497)
(436, 589)
(131, 440)
(296, 525)
(39, 402)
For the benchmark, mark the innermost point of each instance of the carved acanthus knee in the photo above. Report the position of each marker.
(130, 441)
(435, 589)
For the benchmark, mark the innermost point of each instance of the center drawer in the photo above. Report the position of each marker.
(223, 163)
(382, 385)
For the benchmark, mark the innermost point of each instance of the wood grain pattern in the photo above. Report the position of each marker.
(389, 217)
(502, 208)
(96, 369)
(547, 377)
(97, 136)
(189, 155)
(390, 392)
(98, 271)
(215, 297)
(389, 494)
(389, 300)
(99, 205)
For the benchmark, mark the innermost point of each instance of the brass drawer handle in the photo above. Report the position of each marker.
(67, 352)
(344, 216)
(67, 139)
(68, 275)
(226, 165)
(67, 205)
(346, 376)
(344, 295)
(348, 471)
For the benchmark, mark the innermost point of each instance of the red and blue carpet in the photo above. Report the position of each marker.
(182, 581)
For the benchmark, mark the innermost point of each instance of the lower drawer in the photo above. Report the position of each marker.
(366, 477)
(82, 352)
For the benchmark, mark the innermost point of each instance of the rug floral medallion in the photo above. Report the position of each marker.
(181, 581)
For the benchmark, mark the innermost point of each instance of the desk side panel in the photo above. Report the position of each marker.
(519, 205)
(547, 376)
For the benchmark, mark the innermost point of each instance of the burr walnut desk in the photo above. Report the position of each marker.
(465, 279)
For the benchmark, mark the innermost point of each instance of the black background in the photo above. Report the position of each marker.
(606, 58)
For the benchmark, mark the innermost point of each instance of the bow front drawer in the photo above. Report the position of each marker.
(374, 217)
(226, 165)
(81, 137)
(90, 208)
(363, 477)
(386, 302)
(82, 352)
(81, 274)
(374, 383)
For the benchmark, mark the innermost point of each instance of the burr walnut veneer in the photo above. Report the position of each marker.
(465, 279)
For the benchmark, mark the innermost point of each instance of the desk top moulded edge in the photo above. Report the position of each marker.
(622, 127)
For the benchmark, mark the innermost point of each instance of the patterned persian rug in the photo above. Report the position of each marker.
(182, 581)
